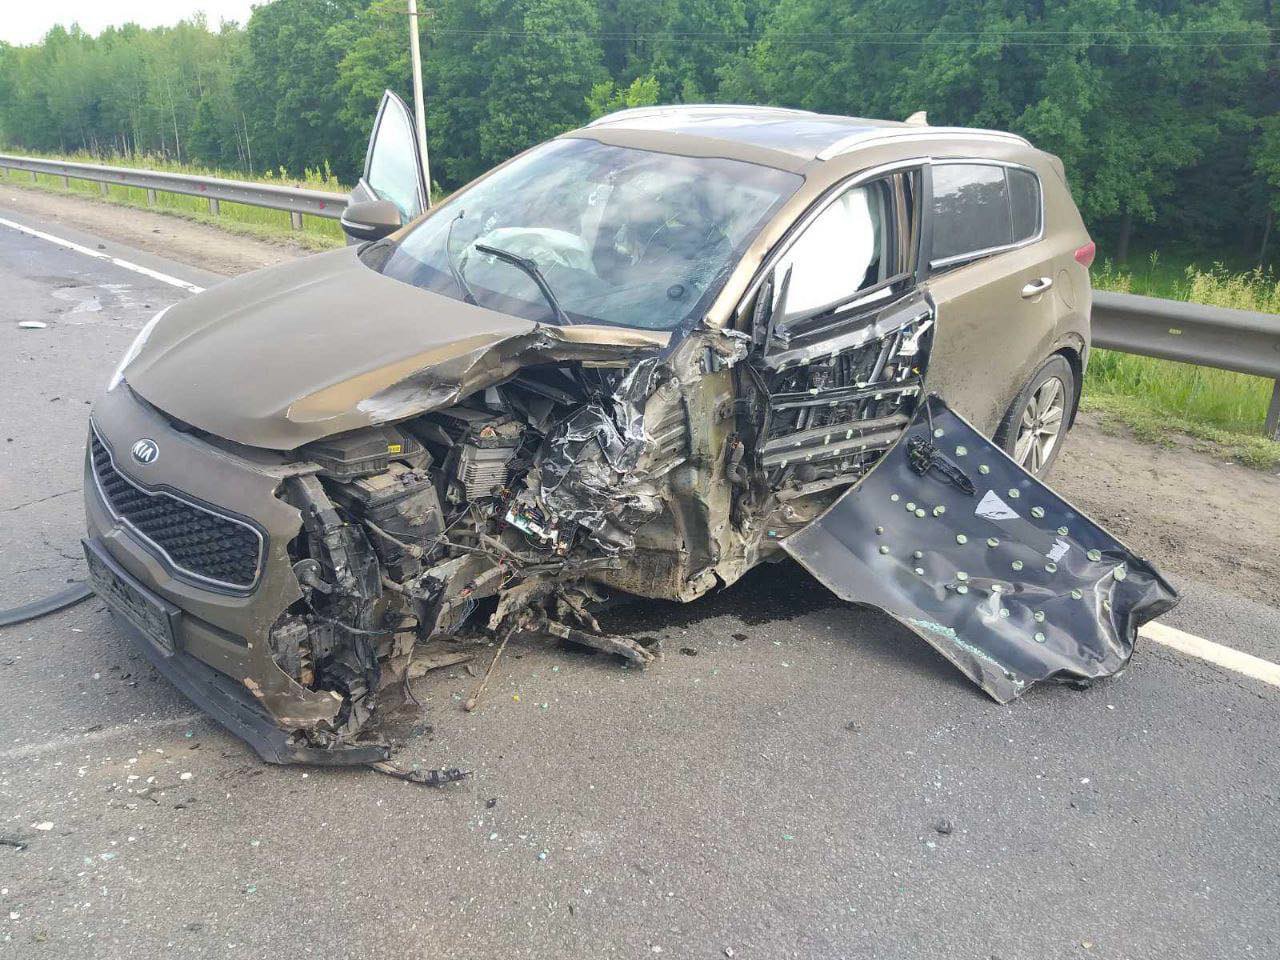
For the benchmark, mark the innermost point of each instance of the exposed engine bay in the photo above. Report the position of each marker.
(522, 507)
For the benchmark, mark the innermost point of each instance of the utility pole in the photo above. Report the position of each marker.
(419, 102)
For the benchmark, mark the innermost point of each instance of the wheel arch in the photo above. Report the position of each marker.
(1074, 356)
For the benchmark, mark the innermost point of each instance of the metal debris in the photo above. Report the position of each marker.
(429, 778)
(474, 700)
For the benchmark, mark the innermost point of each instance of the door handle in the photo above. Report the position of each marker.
(1036, 287)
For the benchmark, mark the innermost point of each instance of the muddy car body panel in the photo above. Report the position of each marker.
(640, 358)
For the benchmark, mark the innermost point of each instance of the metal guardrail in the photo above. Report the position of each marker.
(296, 201)
(1238, 340)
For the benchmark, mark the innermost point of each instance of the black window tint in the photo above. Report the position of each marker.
(1024, 191)
(970, 209)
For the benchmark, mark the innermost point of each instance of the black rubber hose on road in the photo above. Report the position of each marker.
(39, 608)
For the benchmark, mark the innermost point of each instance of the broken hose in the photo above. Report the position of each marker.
(39, 608)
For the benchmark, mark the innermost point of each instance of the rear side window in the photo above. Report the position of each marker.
(979, 207)
(1024, 193)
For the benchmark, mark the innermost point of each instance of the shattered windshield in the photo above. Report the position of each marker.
(620, 236)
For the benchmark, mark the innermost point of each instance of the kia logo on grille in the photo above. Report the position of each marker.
(145, 451)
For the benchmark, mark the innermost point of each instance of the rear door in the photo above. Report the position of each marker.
(393, 165)
(990, 277)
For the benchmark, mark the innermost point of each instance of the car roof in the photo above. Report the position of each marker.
(797, 134)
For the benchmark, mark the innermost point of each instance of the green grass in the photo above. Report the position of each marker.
(1169, 430)
(1161, 399)
(316, 232)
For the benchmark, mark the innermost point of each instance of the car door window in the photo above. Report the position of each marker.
(392, 170)
(845, 250)
(1024, 196)
(970, 210)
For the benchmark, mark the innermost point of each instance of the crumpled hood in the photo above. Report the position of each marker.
(286, 355)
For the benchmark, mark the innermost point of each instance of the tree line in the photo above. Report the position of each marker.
(1165, 112)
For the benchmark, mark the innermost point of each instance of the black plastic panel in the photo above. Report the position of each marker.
(1009, 582)
(195, 541)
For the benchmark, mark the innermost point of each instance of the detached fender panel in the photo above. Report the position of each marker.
(1002, 576)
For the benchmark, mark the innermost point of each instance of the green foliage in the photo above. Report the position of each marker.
(285, 83)
(607, 97)
(1126, 93)
(374, 50)
(1164, 112)
(502, 75)
(1161, 395)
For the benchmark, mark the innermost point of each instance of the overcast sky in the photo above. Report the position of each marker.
(26, 21)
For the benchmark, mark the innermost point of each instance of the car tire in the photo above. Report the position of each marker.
(1033, 430)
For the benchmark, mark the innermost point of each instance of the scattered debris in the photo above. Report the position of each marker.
(943, 826)
(32, 325)
(430, 778)
(474, 700)
(435, 656)
(12, 840)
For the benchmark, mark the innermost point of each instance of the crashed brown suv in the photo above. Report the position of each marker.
(636, 360)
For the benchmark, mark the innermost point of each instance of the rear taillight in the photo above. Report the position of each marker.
(1084, 256)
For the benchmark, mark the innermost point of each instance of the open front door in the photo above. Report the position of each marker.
(841, 337)
(393, 166)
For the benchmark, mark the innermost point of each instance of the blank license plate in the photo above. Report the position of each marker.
(154, 617)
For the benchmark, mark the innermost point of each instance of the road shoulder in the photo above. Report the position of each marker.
(186, 241)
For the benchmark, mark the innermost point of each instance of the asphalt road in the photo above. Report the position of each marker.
(796, 777)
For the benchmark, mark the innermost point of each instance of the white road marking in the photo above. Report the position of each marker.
(1215, 653)
(99, 255)
(119, 731)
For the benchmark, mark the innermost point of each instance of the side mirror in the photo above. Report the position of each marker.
(370, 220)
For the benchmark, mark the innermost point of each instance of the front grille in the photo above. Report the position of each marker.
(196, 542)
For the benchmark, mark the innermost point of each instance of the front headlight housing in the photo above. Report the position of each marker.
(135, 348)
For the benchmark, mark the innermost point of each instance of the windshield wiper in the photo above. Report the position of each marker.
(467, 295)
(531, 268)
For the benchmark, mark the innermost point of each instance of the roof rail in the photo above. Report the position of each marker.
(869, 136)
(676, 108)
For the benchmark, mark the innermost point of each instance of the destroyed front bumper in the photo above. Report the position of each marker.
(221, 697)
(1002, 576)
(211, 642)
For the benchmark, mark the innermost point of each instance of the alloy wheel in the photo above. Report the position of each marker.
(1040, 426)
